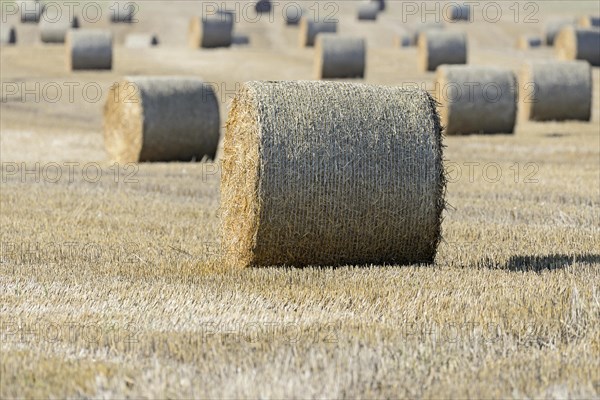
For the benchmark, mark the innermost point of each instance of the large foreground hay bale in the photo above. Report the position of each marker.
(579, 44)
(211, 31)
(526, 42)
(368, 11)
(89, 49)
(141, 40)
(121, 12)
(441, 47)
(8, 34)
(292, 13)
(53, 29)
(339, 56)
(329, 173)
(554, 26)
(589, 21)
(161, 119)
(476, 99)
(310, 28)
(459, 12)
(31, 11)
(556, 90)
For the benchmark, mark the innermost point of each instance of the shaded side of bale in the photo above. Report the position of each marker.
(310, 28)
(161, 119)
(556, 91)
(553, 27)
(380, 4)
(476, 99)
(528, 42)
(368, 11)
(304, 163)
(262, 6)
(141, 40)
(211, 31)
(403, 40)
(589, 21)
(121, 13)
(459, 12)
(31, 11)
(8, 34)
(579, 44)
(441, 47)
(89, 49)
(54, 29)
(339, 57)
(292, 13)
(430, 26)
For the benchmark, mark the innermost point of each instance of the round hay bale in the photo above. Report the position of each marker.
(121, 13)
(556, 91)
(339, 57)
(88, 49)
(330, 173)
(161, 119)
(429, 26)
(54, 29)
(292, 13)
(8, 34)
(380, 3)
(368, 11)
(141, 40)
(309, 30)
(476, 99)
(459, 12)
(403, 40)
(262, 6)
(526, 42)
(441, 47)
(579, 44)
(211, 31)
(31, 11)
(589, 21)
(554, 26)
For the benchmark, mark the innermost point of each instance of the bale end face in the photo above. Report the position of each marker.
(578, 44)
(123, 122)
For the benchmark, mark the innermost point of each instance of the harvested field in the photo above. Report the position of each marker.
(112, 280)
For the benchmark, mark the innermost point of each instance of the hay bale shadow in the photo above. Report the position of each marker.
(240, 39)
(551, 262)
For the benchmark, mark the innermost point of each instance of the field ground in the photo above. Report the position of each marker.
(111, 285)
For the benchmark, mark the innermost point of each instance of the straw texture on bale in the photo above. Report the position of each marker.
(262, 6)
(554, 26)
(528, 42)
(589, 22)
(292, 14)
(161, 119)
(329, 173)
(54, 29)
(426, 27)
(441, 47)
(579, 44)
(403, 40)
(8, 34)
(121, 12)
(556, 91)
(339, 56)
(459, 12)
(141, 40)
(89, 49)
(31, 11)
(310, 28)
(211, 31)
(368, 11)
(476, 99)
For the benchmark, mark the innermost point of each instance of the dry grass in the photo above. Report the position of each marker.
(509, 309)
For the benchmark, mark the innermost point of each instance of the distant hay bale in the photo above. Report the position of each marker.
(339, 56)
(368, 11)
(460, 12)
(589, 21)
(31, 11)
(141, 40)
(554, 26)
(429, 26)
(380, 3)
(54, 29)
(121, 12)
(526, 42)
(330, 173)
(211, 31)
(556, 90)
(292, 14)
(403, 40)
(441, 47)
(161, 119)
(476, 99)
(8, 34)
(89, 49)
(309, 30)
(579, 44)
(262, 6)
